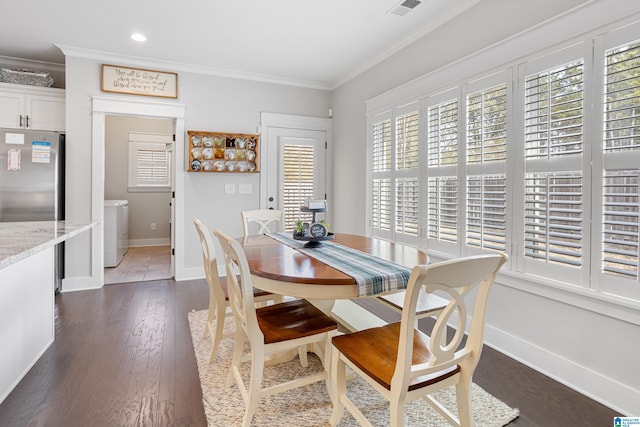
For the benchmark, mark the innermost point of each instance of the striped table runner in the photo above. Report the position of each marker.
(372, 274)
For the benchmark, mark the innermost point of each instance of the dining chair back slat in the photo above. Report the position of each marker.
(268, 221)
(404, 363)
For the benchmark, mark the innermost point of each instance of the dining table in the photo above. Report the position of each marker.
(282, 269)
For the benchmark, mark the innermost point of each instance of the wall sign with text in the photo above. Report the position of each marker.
(136, 81)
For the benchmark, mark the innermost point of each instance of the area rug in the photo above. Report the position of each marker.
(310, 406)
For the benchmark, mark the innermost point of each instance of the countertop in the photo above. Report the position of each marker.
(20, 240)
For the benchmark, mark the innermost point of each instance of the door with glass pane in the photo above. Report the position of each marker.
(295, 171)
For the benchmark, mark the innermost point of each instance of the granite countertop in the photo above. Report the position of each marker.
(20, 240)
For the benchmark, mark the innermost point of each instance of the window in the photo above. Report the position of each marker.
(406, 181)
(442, 173)
(554, 233)
(486, 168)
(149, 162)
(381, 183)
(540, 160)
(620, 253)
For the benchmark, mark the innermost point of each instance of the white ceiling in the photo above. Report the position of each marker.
(315, 43)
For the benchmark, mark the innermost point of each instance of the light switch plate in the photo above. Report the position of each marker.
(229, 188)
(245, 188)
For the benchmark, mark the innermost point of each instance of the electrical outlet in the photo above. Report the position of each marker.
(245, 189)
(229, 188)
(153, 226)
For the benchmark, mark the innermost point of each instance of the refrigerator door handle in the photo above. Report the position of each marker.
(27, 121)
(20, 120)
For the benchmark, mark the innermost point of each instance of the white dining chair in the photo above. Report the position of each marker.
(402, 363)
(218, 295)
(268, 221)
(270, 330)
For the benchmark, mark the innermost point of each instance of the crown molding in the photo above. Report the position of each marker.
(111, 57)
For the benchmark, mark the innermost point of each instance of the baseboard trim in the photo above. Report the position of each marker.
(582, 379)
(85, 283)
(138, 243)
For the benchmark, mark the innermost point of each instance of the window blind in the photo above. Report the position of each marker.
(298, 182)
(553, 129)
(152, 167)
(621, 128)
(442, 223)
(487, 125)
(381, 171)
(443, 134)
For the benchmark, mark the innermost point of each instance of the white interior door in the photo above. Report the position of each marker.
(296, 165)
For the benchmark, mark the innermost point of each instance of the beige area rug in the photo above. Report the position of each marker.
(310, 406)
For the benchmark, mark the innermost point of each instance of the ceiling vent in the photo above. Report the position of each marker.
(404, 7)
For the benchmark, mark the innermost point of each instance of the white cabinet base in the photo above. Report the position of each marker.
(26, 316)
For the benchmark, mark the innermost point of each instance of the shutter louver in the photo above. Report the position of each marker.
(554, 112)
(487, 125)
(298, 182)
(407, 141)
(554, 129)
(381, 182)
(407, 206)
(553, 217)
(622, 100)
(442, 222)
(381, 204)
(621, 226)
(486, 212)
(621, 193)
(152, 168)
(443, 134)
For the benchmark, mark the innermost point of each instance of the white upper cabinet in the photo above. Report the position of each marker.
(32, 107)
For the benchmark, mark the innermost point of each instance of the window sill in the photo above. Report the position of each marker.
(148, 189)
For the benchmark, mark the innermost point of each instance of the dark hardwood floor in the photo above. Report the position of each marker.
(123, 357)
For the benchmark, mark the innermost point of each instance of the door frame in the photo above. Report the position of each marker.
(103, 106)
(287, 121)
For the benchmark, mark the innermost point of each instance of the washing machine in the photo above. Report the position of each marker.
(116, 231)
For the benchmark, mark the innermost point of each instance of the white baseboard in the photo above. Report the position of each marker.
(608, 391)
(137, 243)
(190, 273)
(72, 284)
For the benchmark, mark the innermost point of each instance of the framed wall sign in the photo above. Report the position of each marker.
(137, 81)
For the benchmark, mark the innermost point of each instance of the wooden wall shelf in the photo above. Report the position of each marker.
(223, 152)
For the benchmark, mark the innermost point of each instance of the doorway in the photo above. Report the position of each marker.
(137, 173)
(104, 106)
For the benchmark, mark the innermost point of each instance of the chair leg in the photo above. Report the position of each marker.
(216, 336)
(255, 382)
(302, 354)
(463, 396)
(338, 386)
(237, 356)
(210, 316)
(396, 410)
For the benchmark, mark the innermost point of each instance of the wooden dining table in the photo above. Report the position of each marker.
(281, 269)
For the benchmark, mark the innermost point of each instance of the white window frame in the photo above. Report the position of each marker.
(154, 142)
(581, 163)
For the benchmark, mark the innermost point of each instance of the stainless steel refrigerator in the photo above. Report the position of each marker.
(32, 181)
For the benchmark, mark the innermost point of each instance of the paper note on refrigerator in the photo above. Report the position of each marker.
(40, 152)
(14, 138)
(13, 160)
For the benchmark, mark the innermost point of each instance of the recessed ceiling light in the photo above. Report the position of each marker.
(138, 37)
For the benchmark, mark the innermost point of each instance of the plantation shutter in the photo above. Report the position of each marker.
(486, 155)
(553, 132)
(152, 166)
(442, 181)
(298, 182)
(621, 146)
(381, 174)
(406, 181)
(149, 162)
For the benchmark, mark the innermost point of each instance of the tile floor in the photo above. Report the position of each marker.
(141, 264)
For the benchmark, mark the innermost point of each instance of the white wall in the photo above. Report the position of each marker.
(212, 103)
(585, 342)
